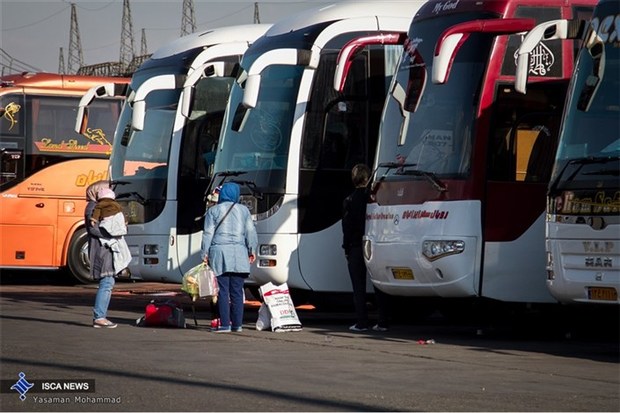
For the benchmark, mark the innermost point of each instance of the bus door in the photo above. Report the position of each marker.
(521, 148)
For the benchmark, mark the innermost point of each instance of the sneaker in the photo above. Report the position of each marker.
(355, 327)
(221, 330)
(378, 327)
(103, 323)
(237, 329)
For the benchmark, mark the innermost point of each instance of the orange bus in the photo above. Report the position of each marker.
(47, 166)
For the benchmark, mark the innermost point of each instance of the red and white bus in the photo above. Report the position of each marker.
(47, 166)
(458, 197)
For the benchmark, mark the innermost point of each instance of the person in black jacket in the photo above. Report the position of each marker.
(353, 226)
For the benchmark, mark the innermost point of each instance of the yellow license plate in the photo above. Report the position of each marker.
(402, 273)
(602, 293)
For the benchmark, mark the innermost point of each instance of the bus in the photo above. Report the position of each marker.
(162, 160)
(457, 201)
(583, 199)
(304, 110)
(47, 166)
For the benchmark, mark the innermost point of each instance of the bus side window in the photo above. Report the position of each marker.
(524, 133)
(12, 161)
(542, 154)
(501, 159)
(44, 125)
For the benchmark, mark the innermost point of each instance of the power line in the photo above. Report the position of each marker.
(11, 65)
(35, 23)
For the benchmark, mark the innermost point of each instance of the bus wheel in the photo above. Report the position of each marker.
(77, 259)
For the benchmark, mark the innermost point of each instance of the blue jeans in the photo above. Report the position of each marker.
(102, 300)
(230, 299)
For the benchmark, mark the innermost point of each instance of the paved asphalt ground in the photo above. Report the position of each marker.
(46, 333)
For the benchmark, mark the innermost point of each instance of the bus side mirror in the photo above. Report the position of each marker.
(139, 113)
(555, 29)
(81, 121)
(350, 50)
(450, 41)
(211, 69)
(250, 93)
(103, 90)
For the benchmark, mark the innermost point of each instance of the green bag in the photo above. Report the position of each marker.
(191, 282)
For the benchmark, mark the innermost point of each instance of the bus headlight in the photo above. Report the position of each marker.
(433, 250)
(268, 249)
(151, 249)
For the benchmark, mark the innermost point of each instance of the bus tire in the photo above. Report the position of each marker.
(77, 257)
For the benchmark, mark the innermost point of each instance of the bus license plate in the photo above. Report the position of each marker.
(602, 293)
(402, 273)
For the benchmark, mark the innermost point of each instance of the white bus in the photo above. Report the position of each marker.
(304, 111)
(456, 208)
(583, 201)
(161, 163)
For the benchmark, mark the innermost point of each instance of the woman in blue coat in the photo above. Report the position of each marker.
(229, 243)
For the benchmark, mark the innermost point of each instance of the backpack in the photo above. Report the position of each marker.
(162, 313)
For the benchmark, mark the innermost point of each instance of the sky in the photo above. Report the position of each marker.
(32, 32)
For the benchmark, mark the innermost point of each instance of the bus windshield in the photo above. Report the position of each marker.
(595, 96)
(259, 144)
(434, 122)
(140, 158)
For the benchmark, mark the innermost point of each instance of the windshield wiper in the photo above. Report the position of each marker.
(136, 196)
(251, 186)
(431, 177)
(391, 165)
(230, 173)
(394, 165)
(224, 175)
(590, 160)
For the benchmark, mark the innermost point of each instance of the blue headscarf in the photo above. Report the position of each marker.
(229, 193)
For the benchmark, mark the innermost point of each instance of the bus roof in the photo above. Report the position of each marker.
(228, 34)
(53, 82)
(346, 9)
(434, 8)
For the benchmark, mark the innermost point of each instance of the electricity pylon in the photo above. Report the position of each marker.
(256, 15)
(127, 43)
(75, 60)
(188, 21)
(61, 62)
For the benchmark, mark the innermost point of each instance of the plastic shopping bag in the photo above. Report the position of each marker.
(200, 281)
(280, 305)
(207, 282)
(190, 281)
